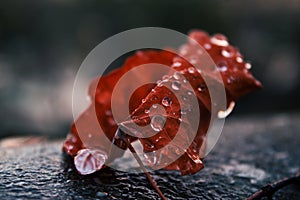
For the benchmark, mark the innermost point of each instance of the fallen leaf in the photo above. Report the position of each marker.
(168, 93)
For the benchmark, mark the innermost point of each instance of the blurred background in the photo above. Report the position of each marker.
(42, 44)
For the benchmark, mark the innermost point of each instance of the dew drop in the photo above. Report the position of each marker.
(165, 77)
(151, 157)
(197, 160)
(219, 40)
(248, 66)
(147, 111)
(189, 93)
(176, 64)
(89, 135)
(176, 85)
(226, 53)
(224, 113)
(191, 70)
(177, 75)
(166, 101)
(154, 106)
(184, 98)
(201, 87)
(223, 68)
(143, 100)
(239, 59)
(207, 46)
(157, 123)
(158, 83)
(230, 79)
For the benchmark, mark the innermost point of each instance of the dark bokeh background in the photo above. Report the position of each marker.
(42, 44)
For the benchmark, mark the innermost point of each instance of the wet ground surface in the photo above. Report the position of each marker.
(250, 153)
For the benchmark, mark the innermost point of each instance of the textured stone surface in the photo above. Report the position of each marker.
(250, 153)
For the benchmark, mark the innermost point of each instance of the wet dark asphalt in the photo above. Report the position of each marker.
(251, 152)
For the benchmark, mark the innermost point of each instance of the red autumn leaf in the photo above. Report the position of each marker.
(101, 101)
(237, 81)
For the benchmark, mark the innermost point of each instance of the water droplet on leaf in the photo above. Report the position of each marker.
(154, 106)
(248, 66)
(230, 79)
(239, 59)
(184, 97)
(224, 113)
(201, 87)
(176, 64)
(226, 53)
(176, 85)
(223, 68)
(219, 40)
(191, 70)
(177, 75)
(166, 101)
(147, 111)
(165, 77)
(157, 123)
(207, 46)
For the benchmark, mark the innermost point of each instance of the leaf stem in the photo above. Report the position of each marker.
(151, 180)
(270, 189)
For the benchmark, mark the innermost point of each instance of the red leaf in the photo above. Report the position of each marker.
(101, 101)
(237, 80)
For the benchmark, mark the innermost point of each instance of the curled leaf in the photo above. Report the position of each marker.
(173, 95)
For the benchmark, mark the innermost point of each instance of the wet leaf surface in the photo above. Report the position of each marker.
(190, 71)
